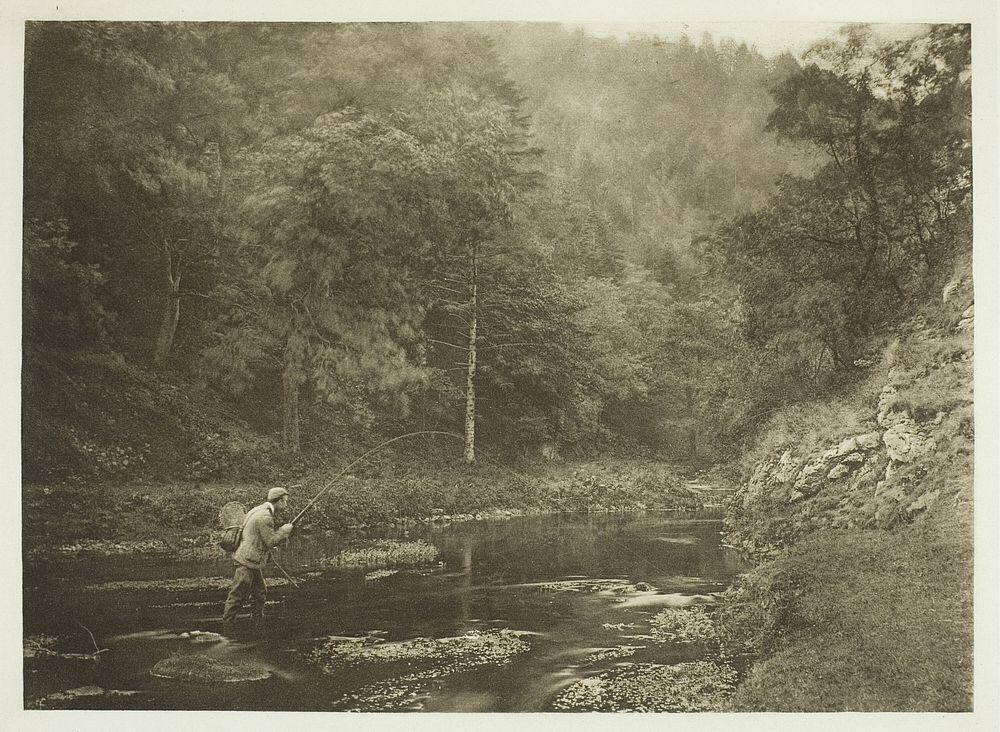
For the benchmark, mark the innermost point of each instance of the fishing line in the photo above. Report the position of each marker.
(518, 476)
(378, 447)
(350, 465)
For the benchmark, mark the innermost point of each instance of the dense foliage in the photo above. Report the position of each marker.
(554, 243)
(845, 254)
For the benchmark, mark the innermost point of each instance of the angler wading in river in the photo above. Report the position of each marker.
(259, 537)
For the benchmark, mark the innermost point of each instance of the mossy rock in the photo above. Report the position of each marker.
(177, 584)
(384, 553)
(202, 668)
(440, 655)
(699, 686)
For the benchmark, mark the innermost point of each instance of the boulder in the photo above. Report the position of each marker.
(207, 669)
(868, 441)
(887, 414)
(903, 442)
(839, 471)
(847, 446)
(865, 476)
(924, 501)
(967, 321)
(948, 290)
(784, 471)
(810, 478)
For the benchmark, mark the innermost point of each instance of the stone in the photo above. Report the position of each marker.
(839, 471)
(207, 669)
(784, 471)
(924, 502)
(890, 410)
(949, 290)
(854, 458)
(810, 477)
(868, 441)
(865, 475)
(903, 442)
(847, 446)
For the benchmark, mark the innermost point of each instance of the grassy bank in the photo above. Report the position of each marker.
(859, 511)
(867, 620)
(392, 491)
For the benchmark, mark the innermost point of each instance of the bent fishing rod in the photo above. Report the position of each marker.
(378, 447)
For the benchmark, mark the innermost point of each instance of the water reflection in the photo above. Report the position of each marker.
(493, 576)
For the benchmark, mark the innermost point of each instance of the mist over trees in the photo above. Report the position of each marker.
(545, 241)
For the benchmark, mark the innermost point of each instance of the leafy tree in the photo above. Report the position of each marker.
(61, 299)
(847, 251)
(123, 128)
(335, 226)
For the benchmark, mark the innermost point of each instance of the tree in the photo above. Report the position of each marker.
(841, 254)
(339, 218)
(124, 123)
(477, 138)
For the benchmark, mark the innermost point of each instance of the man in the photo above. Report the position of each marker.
(259, 538)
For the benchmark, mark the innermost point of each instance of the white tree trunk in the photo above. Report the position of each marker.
(470, 378)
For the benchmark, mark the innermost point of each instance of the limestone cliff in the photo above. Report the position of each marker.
(898, 444)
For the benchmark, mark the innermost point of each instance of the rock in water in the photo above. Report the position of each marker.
(198, 667)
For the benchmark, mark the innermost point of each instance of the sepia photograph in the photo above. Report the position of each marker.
(498, 365)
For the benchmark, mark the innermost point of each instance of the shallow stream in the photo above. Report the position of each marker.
(568, 586)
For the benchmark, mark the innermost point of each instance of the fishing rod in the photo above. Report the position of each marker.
(287, 576)
(378, 447)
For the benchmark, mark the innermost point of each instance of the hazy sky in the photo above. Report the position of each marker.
(770, 38)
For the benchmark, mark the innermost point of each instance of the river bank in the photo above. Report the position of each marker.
(860, 621)
(859, 514)
(535, 613)
(176, 517)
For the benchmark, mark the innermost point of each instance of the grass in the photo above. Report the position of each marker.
(865, 602)
(108, 516)
(812, 426)
(207, 669)
(869, 621)
(384, 553)
(699, 686)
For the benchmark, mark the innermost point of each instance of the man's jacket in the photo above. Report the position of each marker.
(259, 537)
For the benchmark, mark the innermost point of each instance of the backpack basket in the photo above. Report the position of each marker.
(230, 538)
(231, 518)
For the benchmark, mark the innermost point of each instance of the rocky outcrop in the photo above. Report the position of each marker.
(873, 478)
(871, 464)
(835, 464)
(881, 453)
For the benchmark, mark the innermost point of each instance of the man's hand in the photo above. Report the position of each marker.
(287, 529)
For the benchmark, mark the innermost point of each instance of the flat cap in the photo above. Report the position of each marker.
(275, 493)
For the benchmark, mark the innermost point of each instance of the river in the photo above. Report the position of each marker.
(558, 581)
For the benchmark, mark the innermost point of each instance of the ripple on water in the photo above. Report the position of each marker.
(666, 599)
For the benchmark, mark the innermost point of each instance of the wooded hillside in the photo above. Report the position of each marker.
(259, 243)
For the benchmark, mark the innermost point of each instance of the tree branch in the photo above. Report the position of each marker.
(450, 345)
